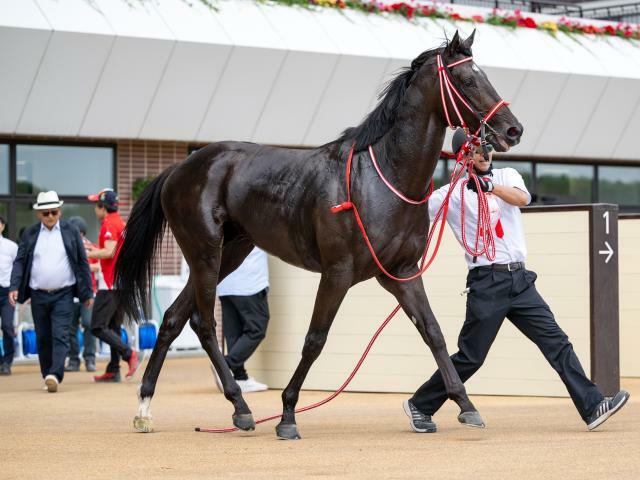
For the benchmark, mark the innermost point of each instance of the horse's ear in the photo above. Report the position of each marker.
(454, 45)
(469, 41)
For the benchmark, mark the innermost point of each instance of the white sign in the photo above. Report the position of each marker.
(608, 252)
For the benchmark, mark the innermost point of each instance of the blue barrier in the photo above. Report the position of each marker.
(80, 337)
(148, 336)
(124, 336)
(29, 345)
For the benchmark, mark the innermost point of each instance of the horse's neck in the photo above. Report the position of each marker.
(410, 151)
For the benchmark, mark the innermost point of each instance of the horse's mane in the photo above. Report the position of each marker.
(380, 120)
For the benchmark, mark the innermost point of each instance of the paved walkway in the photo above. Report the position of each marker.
(85, 431)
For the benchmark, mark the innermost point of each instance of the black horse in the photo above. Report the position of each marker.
(229, 196)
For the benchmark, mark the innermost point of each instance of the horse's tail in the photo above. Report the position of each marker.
(142, 237)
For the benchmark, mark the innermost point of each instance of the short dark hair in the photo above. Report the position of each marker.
(108, 208)
(2, 220)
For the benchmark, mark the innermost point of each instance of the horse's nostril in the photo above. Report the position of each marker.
(514, 132)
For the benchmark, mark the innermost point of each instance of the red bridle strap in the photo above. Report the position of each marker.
(452, 92)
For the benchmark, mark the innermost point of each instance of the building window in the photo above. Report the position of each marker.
(4, 213)
(558, 183)
(67, 170)
(525, 169)
(4, 169)
(26, 216)
(619, 185)
(73, 171)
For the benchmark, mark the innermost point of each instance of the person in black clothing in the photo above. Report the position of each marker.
(82, 315)
(500, 287)
(51, 268)
(8, 252)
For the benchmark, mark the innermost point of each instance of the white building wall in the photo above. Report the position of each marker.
(276, 74)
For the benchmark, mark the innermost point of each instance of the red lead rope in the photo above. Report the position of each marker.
(439, 218)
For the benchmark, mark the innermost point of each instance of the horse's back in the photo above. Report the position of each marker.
(271, 193)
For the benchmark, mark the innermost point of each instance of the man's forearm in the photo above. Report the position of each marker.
(101, 254)
(512, 195)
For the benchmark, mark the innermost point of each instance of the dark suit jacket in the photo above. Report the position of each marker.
(21, 273)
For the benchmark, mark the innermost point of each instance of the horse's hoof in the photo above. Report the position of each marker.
(244, 421)
(143, 424)
(287, 431)
(471, 419)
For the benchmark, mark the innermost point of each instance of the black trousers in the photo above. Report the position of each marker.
(52, 314)
(106, 319)
(244, 323)
(493, 296)
(81, 316)
(8, 332)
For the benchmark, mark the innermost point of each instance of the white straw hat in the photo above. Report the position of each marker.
(47, 200)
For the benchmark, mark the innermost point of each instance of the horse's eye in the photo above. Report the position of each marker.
(469, 82)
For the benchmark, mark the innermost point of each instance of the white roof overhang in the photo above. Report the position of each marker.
(287, 75)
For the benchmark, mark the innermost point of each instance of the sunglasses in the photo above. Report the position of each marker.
(489, 149)
(46, 213)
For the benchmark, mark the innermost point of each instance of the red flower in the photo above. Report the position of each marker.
(517, 11)
(478, 18)
(530, 23)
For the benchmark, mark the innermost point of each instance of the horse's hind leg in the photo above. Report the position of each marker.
(205, 266)
(413, 299)
(172, 324)
(330, 294)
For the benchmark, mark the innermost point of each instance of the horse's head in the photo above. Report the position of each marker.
(503, 130)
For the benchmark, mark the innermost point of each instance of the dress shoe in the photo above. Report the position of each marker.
(72, 367)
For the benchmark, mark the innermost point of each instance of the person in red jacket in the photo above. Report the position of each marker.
(106, 318)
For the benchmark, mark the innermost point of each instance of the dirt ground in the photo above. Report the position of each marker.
(85, 431)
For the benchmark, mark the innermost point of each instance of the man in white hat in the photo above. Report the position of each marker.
(51, 268)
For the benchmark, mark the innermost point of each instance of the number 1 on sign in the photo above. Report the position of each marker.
(605, 215)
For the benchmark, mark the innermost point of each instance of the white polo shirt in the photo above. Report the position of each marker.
(511, 247)
(251, 277)
(8, 252)
(50, 269)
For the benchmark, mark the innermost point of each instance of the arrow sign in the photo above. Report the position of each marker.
(608, 252)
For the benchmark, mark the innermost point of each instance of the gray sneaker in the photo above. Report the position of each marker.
(419, 421)
(606, 408)
(90, 364)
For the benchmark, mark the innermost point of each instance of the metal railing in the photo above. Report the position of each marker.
(627, 12)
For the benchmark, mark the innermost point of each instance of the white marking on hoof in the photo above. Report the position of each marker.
(143, 424)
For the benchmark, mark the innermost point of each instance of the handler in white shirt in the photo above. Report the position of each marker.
(8, 252)
(501, 288)
(245, 315)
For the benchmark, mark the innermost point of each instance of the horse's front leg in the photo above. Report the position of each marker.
(414, 302)
(330, 294)
(173, 322)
